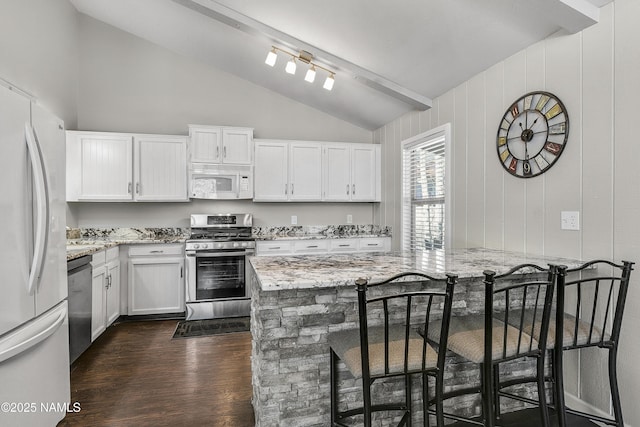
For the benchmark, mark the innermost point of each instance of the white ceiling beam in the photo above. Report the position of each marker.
(576, 15)
(257, 29)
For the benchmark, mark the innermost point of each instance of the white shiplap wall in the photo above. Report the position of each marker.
(596, 73)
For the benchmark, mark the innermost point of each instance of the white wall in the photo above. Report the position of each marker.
(39, 52)
(130, 85)
(596, 74)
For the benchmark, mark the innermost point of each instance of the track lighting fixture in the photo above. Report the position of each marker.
(304, 57)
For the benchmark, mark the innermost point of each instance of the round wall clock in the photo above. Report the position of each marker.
(532, 134)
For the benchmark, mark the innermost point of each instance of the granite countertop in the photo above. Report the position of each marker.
(323, 271)
(315, 232)
(81, 242)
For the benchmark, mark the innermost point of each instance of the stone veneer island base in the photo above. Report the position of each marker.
(298, 300)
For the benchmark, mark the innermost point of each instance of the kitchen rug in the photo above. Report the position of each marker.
(202, 328)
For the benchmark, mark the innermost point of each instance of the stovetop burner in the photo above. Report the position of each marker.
(221, 227)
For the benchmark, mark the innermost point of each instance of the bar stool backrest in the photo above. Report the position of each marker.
(389, 322)
(591, 300)
(521, 301)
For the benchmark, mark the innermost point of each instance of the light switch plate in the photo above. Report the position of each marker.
(294, 219)
(349, 219)
(570, 220)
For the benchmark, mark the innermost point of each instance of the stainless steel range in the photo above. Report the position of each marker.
(216, 259)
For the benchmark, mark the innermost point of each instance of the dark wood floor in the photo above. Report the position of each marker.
(135, 374)
(531, 418)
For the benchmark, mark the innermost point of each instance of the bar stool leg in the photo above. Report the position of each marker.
(334, 388)
(559, 387)
(542, 395)
(487, 394)
(613, 384)
(407, 386)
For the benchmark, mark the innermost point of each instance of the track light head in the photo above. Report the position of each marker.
(328, 83)
(272, 56)
(291, 66)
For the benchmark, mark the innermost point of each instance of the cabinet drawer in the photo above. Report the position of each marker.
(155, 250)
(374, 244)
(274, 248)
(112, 253)
(343, 245)
(310, 246)
(98, 258)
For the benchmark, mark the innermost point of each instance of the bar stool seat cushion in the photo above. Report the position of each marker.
(570, 337)
(346, 345)
(466, 338)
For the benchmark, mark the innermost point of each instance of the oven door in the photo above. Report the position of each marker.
(216, 275)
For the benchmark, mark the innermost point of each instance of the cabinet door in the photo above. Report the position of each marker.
(206, 144)
(237, 146)
(105, 167)
(98, 316)
(337, 173)
(156, 285)
(364, 173)
(160, 168)
(113, 292)
(271, 171)
(305, 176)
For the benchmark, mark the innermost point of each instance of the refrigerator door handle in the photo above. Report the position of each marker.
(42, 208)
(33, 334)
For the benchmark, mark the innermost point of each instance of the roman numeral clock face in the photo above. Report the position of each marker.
(532, 134)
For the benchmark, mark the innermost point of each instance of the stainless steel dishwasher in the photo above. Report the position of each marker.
(79, 281)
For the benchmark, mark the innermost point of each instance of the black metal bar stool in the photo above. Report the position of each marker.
(523, 293)
(597, 291)
(387, 344)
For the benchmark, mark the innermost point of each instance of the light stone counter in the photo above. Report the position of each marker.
(87, 241)
(325, 271)
(298, 300)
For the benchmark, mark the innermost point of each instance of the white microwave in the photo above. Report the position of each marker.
(208, 181)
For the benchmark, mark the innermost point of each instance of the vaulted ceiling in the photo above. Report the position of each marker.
(389, 57)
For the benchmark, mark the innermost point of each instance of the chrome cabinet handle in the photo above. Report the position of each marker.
(353, 189)
(217, 152)
(129, 188)
(181, 272)
(292, 188)
(224, 151)
(273, 248)
(156, 252)
(347, 189)
(286, 189)
(137, 188)
(312, 246)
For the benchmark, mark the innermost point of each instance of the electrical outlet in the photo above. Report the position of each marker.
(570, 220)
(294, 219)
(349, 219)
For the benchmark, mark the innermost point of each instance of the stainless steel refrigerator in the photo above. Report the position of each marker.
(34, 336)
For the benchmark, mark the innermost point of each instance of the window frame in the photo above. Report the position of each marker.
(443, 131)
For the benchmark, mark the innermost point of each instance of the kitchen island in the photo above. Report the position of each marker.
(298, 300)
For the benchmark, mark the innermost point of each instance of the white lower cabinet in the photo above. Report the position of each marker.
(322, 246)
(105, 290)
(156, 279)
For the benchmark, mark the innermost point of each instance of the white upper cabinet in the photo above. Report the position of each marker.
(104, 166)
(305, 171)
(316, 171)
(288, 171)
(271, 175)
(160, 169)
(219, 144)
(99, 167)
(351, 172)
(365, 173)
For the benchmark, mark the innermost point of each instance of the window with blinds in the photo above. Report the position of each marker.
(424, 189)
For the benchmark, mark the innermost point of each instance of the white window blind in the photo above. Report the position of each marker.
(424, 192)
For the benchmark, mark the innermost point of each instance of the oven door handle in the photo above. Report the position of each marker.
(219, 254)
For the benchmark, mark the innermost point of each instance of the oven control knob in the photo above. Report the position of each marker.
(236, 244)
(219, 245)
(196, 246)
